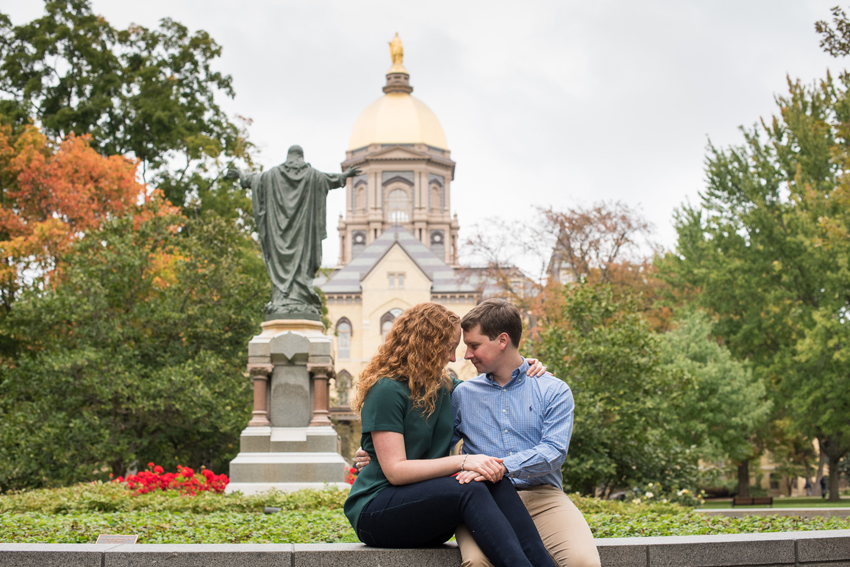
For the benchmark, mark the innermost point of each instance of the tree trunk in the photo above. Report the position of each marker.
(834, 477)
(744, 479)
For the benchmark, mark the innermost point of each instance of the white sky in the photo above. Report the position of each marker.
(543, 103)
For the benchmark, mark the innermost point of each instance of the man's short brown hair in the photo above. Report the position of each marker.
(495, 316)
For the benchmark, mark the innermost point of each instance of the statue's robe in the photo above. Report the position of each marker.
(290, 209)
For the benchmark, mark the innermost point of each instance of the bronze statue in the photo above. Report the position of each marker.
(290, 209)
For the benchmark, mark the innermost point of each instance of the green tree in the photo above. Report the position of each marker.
(610, 358)
(135, 354)
(146, 94)
(719, 408)
(766, 251)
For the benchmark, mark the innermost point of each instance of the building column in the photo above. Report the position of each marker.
(260, 373)
(321, 395)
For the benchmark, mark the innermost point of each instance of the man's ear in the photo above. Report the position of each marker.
(503, 341)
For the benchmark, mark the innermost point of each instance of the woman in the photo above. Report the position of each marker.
(407, 496)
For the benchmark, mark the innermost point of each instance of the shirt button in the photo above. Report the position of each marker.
(506, 430)
(511, 453)
(504, 411)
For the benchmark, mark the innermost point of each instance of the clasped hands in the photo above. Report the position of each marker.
(475, 467)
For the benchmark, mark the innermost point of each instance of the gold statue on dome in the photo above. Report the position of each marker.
(397, 53)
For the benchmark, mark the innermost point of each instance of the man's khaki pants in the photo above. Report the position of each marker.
(561, 525)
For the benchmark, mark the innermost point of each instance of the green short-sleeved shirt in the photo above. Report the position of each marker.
(387, 407)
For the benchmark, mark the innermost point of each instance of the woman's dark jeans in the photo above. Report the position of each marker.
(425, 514)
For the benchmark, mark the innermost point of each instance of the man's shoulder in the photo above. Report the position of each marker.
(471, 385)
(551, 384)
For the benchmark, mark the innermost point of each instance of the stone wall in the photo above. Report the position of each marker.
(813, 549)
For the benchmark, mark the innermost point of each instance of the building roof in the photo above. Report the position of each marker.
(444, 278)
(397, 118)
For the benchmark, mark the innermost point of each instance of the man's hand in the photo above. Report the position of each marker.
(352, 172)
(361, 458)
(233, 174)
(489, 468)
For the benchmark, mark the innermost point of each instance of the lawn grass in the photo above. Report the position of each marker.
(78, 514)
(787, 502)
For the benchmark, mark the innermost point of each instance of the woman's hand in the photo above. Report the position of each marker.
(490, 468)
(469, 476)
(535, 367)
(361, 458)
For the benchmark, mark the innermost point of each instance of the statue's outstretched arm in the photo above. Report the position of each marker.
(243, 177)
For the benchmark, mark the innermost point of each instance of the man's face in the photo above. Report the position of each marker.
(481, 350)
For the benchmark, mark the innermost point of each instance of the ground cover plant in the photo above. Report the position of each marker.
(78, 514)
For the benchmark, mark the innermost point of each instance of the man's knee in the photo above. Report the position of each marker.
(471, 554)
(586, 558)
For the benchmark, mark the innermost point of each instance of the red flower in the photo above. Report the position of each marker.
(158, 469)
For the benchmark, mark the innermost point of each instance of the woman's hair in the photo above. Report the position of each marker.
(415, 349)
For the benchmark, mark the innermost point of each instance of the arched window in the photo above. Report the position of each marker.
(436, 204)
(343, 384)
(343, 338)
(398, 206)
(387, 320)
(360, 199)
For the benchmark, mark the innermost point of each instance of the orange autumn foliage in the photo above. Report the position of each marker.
(50, 196)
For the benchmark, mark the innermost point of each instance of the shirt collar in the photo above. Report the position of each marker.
(517, 376)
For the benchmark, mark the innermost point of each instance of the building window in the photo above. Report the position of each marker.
(360, 199)
(438, 244)
(398, 206)
(396, 280)
(343, 338)
(343, 384)
(436, 204)
(358, 242)
(387, 320)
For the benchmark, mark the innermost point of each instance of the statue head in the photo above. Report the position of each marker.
(295, 155)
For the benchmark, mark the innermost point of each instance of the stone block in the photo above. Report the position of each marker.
(255, 440)
(249, 488)
(347, 554)
(320, 350)
(825, 546)
(288, 467)
(722, 550)
(621, 552)
(52, 555)
(291, 404)
(289, 348)
(200, 555)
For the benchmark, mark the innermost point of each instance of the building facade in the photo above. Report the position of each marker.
(398, 238)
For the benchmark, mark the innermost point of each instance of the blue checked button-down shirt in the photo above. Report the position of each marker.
(528, 423)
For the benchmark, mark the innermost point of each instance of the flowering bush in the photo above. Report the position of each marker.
(184, 481)
(653, 492)
(350, 475)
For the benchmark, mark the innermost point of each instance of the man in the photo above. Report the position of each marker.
(526, 421)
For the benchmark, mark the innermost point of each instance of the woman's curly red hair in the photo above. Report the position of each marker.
(415, 350)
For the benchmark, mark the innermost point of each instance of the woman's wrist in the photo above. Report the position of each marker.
(462, 463)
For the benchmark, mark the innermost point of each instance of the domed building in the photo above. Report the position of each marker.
(398, 238)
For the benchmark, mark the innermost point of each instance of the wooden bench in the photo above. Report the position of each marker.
(753, 501)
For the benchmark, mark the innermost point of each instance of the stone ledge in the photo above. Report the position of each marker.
(796, 512)
(734, 550)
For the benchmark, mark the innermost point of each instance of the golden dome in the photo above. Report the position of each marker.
(397, 118)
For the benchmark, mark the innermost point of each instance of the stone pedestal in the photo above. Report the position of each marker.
(289, 443)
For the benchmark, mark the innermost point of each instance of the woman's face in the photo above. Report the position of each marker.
(453, 344)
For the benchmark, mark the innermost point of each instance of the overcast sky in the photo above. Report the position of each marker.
(542, 103)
